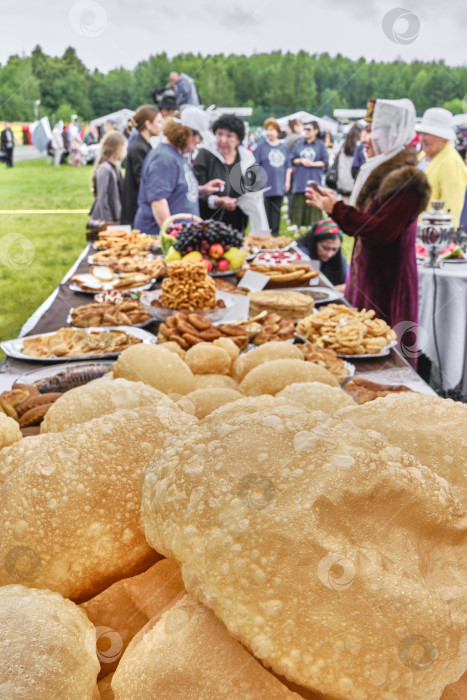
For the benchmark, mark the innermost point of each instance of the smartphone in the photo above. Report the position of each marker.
(314, 186)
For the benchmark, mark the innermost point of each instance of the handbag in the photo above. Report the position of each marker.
(331, 175)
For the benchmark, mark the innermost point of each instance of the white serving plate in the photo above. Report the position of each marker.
(13, 348)
(73, 287)
(161, 314)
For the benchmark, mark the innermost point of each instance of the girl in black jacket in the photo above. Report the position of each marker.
(148, 120)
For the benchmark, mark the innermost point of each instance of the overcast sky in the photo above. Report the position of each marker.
(112, 33)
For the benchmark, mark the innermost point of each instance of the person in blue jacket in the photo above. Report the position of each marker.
(309, 158)
(273, 157)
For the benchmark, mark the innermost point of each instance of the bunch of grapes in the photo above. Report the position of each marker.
(200, 236)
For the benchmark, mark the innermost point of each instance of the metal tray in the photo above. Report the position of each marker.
(13, 348)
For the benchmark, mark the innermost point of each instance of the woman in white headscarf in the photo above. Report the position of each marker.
(389, 194)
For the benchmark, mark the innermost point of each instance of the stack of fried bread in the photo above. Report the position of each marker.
(290, 305)
(214, 525)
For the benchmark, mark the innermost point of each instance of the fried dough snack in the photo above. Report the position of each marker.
(188, 653)
(188, 286)
(207, 358)
(337, 560)
(264, 353)
(325, 358)
(48, 647)
(430, 428)
(132, 239)
(120, 611)
(154, 365)
(270, 377)
(208, 400)
(72, 502)
(151, 267)
(253, 243)
(213, 381)
(347, 331)
(363, 390)
(125, 313)
(317, 396)
(285, 272)
(67, 342)
(9, 430)
(99, 399)
(188, 329)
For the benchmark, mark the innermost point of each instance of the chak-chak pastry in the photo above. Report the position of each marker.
(9, 430)
(264, 353)
(154, 365)
(318, 396)
(337, 559)
(48, 647)
(188, 654)
(432, 429)
(70, 511)
(272, 377)
(98, 399)
(207, 400)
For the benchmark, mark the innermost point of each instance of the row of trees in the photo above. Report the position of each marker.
(273, 83)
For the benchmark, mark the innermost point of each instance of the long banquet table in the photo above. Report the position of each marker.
(52, 315)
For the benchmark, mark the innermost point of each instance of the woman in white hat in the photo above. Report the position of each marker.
(168, 184)
(442, 164)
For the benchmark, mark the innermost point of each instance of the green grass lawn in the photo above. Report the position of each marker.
(37, 249)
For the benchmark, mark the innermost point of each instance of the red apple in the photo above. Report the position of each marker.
(208, 264)
(216, 251)
(223, 265)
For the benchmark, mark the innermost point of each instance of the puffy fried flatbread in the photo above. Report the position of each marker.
(207, 400)
(318, 396)
(120, 611)
(188, 653)
(207, 381)
(265, 353)
(432, 429)
(70, 512)
(48, 647)
(93, 400)
(272, 377)
(9, 430)
(154, 365)
(206, 358)
(336, 558)
(10, 457)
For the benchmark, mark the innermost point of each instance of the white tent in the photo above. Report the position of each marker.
(119, 118)
(460, 120)
(325, 124)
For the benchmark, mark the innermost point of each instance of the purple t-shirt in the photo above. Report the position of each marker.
(275, 160)
(165, 175)
(313, 151)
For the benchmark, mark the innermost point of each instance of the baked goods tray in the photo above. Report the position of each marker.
(321, 295)
(73, 287)
(64, 372)
(384, 352)
(13, 348)
(149, 256)
(162, 313)
(69, 319)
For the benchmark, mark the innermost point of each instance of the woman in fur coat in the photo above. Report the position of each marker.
(389, 194)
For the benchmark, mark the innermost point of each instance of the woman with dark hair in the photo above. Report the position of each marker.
(345, 180)
(309, 156)
(168, 185)
(228, 160)
(148, 121)
(323, 242)
(274, 157)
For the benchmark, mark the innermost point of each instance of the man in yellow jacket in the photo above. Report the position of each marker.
(445, 170)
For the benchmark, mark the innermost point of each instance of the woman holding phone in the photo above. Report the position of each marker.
(309, 157)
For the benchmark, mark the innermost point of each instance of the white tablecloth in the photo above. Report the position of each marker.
(449, 319)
